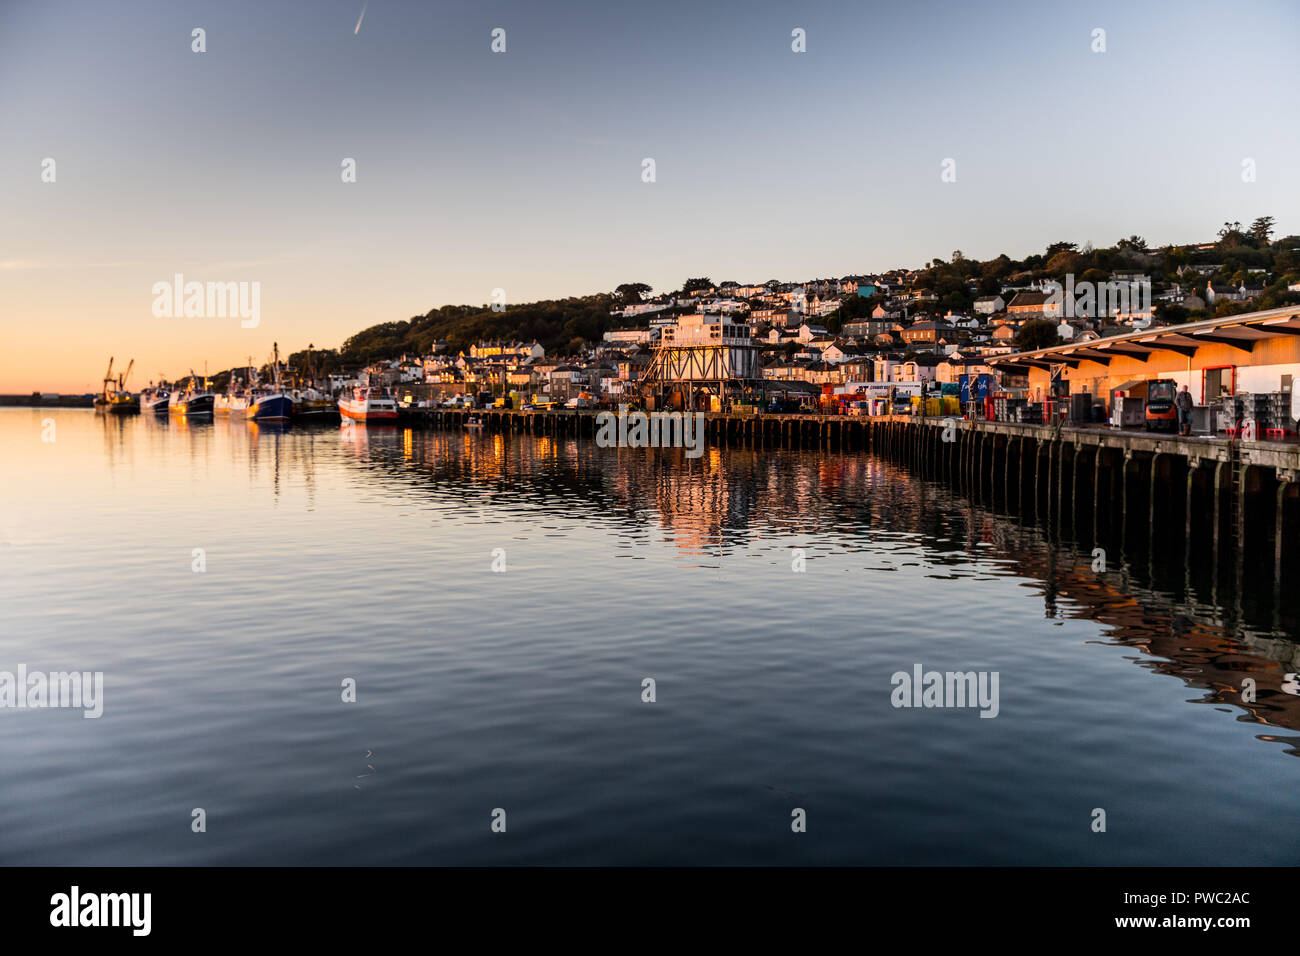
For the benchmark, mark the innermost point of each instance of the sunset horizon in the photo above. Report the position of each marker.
(470, 175)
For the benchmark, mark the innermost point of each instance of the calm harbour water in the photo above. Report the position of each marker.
(342, 552)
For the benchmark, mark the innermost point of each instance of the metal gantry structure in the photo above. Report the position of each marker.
(703, 355)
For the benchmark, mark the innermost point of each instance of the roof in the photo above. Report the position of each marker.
(1241, 330)
(1028, 298)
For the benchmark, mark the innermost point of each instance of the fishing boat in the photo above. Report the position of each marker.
(368, 404)
(235, 401)
(474, 422)
(154, 401)
(232, 403)
(115, 399)
(310, 404)
(270, 403)
(193, 402)
(123, 404)
(223, 402)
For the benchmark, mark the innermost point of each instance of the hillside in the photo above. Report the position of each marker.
(565, 326)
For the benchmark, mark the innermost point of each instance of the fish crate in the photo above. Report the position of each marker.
(1007, 409)
(1031, 413)
(1259, 407)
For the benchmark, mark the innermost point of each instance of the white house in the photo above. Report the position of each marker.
(837, 353)
(631, 336)
(913, 372)
(1213, 295)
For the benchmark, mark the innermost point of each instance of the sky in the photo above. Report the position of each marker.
(523, 170)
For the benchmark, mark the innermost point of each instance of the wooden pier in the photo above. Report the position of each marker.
(1227, 496)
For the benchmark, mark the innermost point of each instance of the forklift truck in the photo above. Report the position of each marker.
(1161, 414)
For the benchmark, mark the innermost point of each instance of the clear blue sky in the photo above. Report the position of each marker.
(523, 170)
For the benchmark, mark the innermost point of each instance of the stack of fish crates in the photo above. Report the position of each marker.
(1030, 413)
(1007, 409)
(1227, 412)
(1260, 408)
(1244, 407)
(1280, 422)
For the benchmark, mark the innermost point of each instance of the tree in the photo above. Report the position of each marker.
(630, 293)
(856, 307)
(1063, 262)
(1170, 314)
(957, 301)
(1132, 244)
(1175, 257)
(998, 268)
(695, 285)
(1231, 236)
(1261, 229)
(1037, 334)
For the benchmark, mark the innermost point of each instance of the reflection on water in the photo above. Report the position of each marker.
(366, 553)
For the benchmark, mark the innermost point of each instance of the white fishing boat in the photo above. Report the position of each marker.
(368, 404)
(154, 401)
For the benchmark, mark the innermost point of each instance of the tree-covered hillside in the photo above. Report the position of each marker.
(561, 325)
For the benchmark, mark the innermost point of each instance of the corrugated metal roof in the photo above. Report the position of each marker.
(1188, 332)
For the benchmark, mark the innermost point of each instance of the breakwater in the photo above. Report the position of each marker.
(48, 401)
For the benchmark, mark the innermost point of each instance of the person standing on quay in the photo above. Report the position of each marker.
(1183, 402)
